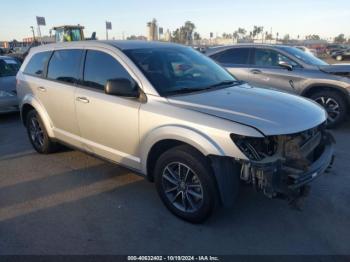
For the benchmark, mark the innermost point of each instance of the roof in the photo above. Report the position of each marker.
(214, 50)
(120, 44)
(68, 26)
(138, 44)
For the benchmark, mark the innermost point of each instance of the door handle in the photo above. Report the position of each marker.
(83, 100)
(255, 71)
(42, 89)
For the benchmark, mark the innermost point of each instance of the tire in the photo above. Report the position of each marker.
(339, 58)
(38, 135)
(335, 105)
(194, 198)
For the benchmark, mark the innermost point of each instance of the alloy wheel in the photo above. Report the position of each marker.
(331, 106)
(182, 187)
(36, 132)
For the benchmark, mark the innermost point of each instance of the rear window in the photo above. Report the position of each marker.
(37, 63)
(64, 66)
(233, 56)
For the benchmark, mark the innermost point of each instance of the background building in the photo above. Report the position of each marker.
(152, 30)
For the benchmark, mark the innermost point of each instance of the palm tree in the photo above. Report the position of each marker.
(236, 35)
(241, 32)
(257, 30)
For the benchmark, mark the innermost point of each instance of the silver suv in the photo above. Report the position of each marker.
(174, 116)
(292, 70)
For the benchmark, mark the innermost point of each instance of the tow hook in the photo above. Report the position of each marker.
(296, 201)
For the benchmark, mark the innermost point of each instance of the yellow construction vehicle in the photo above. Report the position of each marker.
(69, 33)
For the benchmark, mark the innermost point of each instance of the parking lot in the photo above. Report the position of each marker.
(71, 203)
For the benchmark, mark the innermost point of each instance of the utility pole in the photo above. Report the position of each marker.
(32, 27)
(39, 32)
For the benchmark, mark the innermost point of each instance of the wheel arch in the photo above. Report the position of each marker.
(166, 137)
(29, 103)
(312, 89)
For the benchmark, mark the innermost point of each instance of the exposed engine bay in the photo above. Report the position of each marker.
(285, 164)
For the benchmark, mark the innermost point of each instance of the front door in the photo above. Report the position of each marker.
(108, 124)
(267, 73)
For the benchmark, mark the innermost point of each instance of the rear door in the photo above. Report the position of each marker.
(236, 61)
(57, 93)
(267, 73)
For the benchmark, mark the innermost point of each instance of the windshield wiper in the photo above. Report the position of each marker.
(184, 91)
(227, 83)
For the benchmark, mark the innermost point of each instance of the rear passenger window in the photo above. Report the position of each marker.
(233, 56)
(37, 64)
(65, 66)
(101, 67)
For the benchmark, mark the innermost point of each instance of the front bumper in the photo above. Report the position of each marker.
(316, 169)
(277, 178)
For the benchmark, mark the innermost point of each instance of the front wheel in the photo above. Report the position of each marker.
(334, 104)
(185, 184)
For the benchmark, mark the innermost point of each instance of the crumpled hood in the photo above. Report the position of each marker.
(343, 70)
(272, 112)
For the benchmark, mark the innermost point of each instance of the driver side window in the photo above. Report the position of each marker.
(271, 58)
(101, 67)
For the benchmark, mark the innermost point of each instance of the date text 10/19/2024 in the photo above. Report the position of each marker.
(173, 258)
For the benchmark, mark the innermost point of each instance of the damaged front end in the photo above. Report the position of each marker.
(284, 165)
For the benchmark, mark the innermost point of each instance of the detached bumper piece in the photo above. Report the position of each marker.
(289, 177)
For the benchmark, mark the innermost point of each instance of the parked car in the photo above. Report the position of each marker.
(334, 48)
(341, 55)
(308, 50)
(21, 52)
(291, 70)
(8, 70)
(174, 116)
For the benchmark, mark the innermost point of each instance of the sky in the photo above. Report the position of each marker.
(129, 17)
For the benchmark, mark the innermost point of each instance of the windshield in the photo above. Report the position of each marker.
(179, 69)
(8, 67)
(303, 56)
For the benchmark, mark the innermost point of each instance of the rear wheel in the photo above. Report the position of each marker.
(38, 135)
(334, 104)
(185, 184)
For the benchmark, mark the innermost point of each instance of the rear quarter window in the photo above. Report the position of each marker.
(36, 64)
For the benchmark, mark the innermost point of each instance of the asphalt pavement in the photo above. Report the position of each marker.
(72, 203)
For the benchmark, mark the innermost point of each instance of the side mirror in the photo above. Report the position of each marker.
(285, 65)
(122, 87)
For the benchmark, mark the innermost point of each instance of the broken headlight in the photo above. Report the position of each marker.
(255, 148)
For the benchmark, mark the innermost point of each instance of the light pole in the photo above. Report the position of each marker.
(32, 27)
